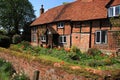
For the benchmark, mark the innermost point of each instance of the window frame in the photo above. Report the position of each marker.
(60, 25)
(43, 38)
(100, 37)
(113, 10)
(62, 39)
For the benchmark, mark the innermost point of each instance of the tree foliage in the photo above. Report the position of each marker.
(14, 14)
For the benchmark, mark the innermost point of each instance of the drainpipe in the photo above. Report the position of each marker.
(90, 37)
(71, 24)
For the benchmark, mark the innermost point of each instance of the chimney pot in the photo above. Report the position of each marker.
(41, 10)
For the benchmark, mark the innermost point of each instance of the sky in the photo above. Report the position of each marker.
(47, 4)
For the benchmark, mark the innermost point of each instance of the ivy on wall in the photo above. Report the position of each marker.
(115, 21)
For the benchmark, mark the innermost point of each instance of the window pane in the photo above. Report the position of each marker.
(103, 37)
(110, 12)
(45, 38)
(117, 10)
(60, 38)
(34, 38)
(98, 37)
(62, 24)
(64, 38)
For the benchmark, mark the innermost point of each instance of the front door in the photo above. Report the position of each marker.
(55, 40)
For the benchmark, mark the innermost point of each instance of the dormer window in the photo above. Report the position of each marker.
(114, 11)
(60, 25)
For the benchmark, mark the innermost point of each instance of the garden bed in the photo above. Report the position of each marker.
(93, 65)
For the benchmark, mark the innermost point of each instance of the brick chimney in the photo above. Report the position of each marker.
(41, 10)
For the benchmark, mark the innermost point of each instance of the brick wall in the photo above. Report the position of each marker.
(83, 29)
(111, 42)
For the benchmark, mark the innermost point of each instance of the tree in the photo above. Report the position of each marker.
(65, 3)
(14, 14)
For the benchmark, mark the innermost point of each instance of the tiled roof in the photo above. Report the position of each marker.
(115, 2)
(76, 11)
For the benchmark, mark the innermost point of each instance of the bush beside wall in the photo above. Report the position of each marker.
(4, 41)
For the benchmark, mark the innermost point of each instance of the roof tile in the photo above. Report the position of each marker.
(75, 11)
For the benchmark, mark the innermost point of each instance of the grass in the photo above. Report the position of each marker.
(92, 59)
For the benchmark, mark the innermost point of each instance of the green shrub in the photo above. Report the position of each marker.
(6, 70)
(25, 45)
(75, 49)
(20, 76)
(105, 62)
(3, 32)
(16, 39)
(4, 41)
(94, 51)
(73, 56)
(95, 63)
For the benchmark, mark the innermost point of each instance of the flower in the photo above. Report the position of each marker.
(23, 47)
(62, 63)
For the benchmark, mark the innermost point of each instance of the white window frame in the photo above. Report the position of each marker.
(43, 38)
(60, 25)
(62, 38)
(113, 11)
(100, 37)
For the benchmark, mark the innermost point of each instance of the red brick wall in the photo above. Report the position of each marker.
(85, 30)
(111, 43)
(67, 28)
(81, 40)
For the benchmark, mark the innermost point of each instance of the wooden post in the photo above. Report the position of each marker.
(36, 75)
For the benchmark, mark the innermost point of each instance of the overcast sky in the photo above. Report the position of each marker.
(47, 4)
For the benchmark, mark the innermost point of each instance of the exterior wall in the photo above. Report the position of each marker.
(85, 27)
(81, 40)
(84, 42)
(111, 45)
(67, 44)
(67, 28)
(54, 26)
(34, 34)
(80, 35)
(64, 31)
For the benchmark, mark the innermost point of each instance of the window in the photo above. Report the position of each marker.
(33, 38)
(34, 29)
(43, 38)
(62, 39)
(101, 37)
(60, 25)
(114, 11)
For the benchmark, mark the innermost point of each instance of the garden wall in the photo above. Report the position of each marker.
(46, 72)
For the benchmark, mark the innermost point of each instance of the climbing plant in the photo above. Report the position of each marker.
(115, 21)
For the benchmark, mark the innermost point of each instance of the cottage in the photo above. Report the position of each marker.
(82, 23)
